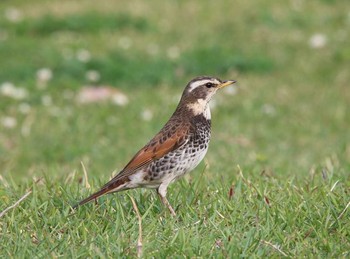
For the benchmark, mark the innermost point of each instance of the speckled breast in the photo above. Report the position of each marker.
(184, 159)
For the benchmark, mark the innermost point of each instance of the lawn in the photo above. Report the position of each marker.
(275, 181)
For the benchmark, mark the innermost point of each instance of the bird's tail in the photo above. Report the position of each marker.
(112, 186)
(91, 197)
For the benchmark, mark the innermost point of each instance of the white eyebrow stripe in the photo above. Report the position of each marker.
(194, 85)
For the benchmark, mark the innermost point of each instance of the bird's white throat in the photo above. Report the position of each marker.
(201, 106)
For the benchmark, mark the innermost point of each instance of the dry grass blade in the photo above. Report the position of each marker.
(4, 182)
(274, 247)
(87, 185)
(342, 213)
(139, 240)
(16, 203)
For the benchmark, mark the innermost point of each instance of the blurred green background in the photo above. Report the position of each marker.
(93, 81)
(290, 116)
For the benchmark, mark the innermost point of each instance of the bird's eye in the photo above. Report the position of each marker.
(209, 85)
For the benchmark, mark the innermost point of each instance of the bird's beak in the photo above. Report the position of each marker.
(226, 83)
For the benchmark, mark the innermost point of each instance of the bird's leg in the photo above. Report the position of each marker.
(162, 195)
(166, 203)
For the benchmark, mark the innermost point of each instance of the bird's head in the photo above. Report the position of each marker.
(199, 92)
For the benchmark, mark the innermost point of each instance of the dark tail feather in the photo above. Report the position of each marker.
(111, 186)
(91, 197)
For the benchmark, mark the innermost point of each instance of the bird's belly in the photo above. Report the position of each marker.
(190, 161)
(169, 168)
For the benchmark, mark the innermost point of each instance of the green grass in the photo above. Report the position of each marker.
(286, 128)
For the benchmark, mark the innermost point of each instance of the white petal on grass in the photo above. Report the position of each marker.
(13, 15)
(46, 100)
(92, 75)
(10, 90)
(20, 93)
(318, 41)
(147, 114)
(125, 42)
(24, 108)
(83, 55)
(9, 122)
(7, 88)
(120, 99)
(268, 109)
(44, 74)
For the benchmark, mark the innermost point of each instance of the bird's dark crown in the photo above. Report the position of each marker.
(200, 87)
(201, 80)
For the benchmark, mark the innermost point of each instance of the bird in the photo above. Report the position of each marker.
(175, 150)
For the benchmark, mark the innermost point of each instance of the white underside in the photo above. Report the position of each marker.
(137, 179)
(169, 178)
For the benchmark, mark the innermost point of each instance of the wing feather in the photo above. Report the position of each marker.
(158, 147)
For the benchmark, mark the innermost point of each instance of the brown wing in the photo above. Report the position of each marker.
(165, 141)
(158, 147)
